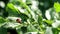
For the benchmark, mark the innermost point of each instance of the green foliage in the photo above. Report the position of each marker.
(32, 16)
(57, 6)
(2, 21)
(49, 21)
(3, 30)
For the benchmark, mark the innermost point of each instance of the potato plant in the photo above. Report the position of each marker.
(29, 16)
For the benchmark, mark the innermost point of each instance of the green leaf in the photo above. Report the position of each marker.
(48, 22)
(31, 28)
(57, 6)
(55, 31)
(12, 10)
(40, 20)
(12, 7)
(2, 21)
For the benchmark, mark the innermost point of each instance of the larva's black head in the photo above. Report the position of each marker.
(12, 31)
